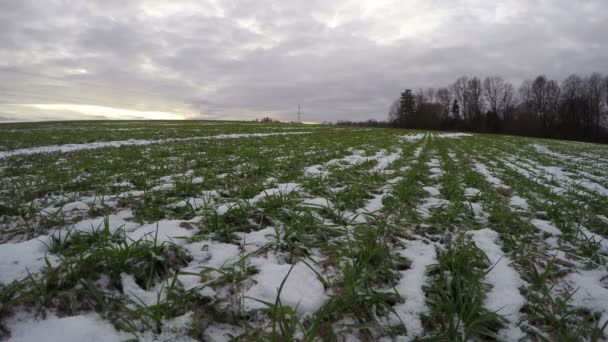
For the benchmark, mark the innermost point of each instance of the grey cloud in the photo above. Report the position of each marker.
(204, 59)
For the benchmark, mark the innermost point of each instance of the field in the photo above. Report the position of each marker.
(209, 231)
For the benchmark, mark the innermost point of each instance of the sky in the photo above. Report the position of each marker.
(241, 60)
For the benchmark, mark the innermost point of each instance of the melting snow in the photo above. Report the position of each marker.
(546, 226)
(518, 203)
(221, 333)
(16, 259)
(130, 142)
(433, 191)
(410, 285)
(164, 231)
(139, 295)
(412, 137)
(318, 202)
(452, 135)
(385, 161)
(471, 192)
(88, 327)
(504, 297)
(590, 291)
(358, 157)
(279, 189)
(487, 175)
(302, 288)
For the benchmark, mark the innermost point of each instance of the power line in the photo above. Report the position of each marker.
(299, 113)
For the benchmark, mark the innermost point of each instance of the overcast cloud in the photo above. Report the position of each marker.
(215, 59)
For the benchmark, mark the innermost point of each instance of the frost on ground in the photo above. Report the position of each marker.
(237, 231)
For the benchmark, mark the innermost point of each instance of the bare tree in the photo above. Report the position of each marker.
(492, 92)
(606, 90)
(573, 107)
(474, 98)
(498, 94)
(525, 95)
(552, 93)
(509, 101)
(444, 99)
(576, 109)
(606, 97)
(539, 95)
(595, 96)
(430, 95)
(545, 100)
(459, 89)
(393, 111)
(420, 97)
(509, 96)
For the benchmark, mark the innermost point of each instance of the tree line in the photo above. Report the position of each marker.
(575, 108)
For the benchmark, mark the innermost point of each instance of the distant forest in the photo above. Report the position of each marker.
(575, 109)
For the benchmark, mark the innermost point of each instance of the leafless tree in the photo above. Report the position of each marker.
(430, 95)
(393, 111)
(498, 94)
(474, 98)
(595, 97)
(445, 100)
(545, 100)
(606, 90)
(573, 107)
(459, 90)
(576, 109)
(420, 97)
(509, 96)
(525, 95)
(606, 97)
(552, 92)
(539, 95)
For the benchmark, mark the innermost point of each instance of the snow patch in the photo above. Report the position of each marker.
(433, 191)
(88, 327)
(488, 175)
(280, 189)
(546, 226)
(451, 135)
(518, 203)
(504, 297)
(302, 288)
(317, 202)
(131, 142)
(410, 285)
(471, 192)
(590, 292)
(16, 259)
(164, 231)
(221, 333)
(139, 295)
(412, 137)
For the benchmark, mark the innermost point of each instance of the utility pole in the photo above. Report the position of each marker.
(299, 113)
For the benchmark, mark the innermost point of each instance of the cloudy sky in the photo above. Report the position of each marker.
(216, 59)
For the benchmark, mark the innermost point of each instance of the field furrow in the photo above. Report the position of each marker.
(292, 232)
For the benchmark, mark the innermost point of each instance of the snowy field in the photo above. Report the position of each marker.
(211, 231)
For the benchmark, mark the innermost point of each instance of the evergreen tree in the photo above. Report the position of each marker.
(407, 107)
